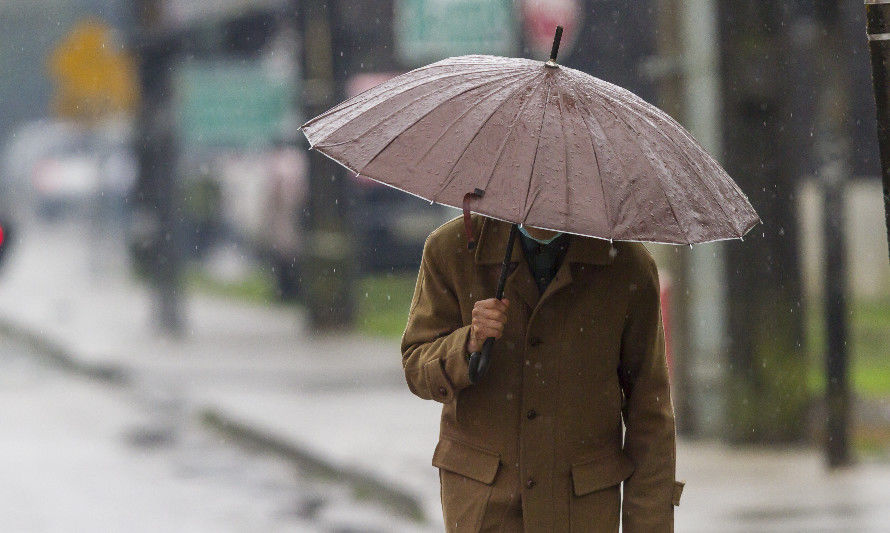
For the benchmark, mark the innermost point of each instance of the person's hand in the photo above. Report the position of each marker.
(489, 317)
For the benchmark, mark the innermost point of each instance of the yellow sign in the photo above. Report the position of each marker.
(94, 75)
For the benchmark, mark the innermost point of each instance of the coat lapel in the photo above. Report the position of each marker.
(490, 251)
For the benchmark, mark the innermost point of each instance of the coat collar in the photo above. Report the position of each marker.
(493, 243)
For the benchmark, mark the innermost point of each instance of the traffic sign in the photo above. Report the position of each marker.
(94, 75)
(429, 30)
(232, 104)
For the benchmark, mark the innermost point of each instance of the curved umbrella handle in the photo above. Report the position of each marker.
(478, 363)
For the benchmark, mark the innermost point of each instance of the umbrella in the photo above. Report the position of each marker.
(539, 144)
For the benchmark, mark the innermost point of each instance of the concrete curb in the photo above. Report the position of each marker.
(59, 356)
(365, 486)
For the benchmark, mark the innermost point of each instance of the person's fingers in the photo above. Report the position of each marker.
(488, 323)
(484, 330)
(489, 318)
(489, 314)
(493, 303)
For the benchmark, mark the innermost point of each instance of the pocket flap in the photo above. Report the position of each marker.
(466, 460)
(601, 472)
(678, 491)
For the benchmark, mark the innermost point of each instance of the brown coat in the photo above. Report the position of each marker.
(537, 444)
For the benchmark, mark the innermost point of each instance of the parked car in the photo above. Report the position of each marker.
(60, 168)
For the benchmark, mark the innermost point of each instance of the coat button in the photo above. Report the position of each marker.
(534, 341)
(443, 391)
(530, 483)
(531, 414)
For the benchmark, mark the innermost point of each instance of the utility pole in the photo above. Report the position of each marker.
(766, 390)
(689, 90)
(833, 155)
(705, 265)
(156, 147)
(330, 250)
(878, 21)
(667, 69)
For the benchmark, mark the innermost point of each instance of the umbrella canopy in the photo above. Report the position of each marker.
(550, 147)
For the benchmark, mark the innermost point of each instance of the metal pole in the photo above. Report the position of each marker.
(878, 28)
(670, 74)
(706, 283)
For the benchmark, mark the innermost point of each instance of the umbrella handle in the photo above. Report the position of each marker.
(478, 363)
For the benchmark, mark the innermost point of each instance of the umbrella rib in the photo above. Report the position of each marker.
(578, 95)
(697, 170)
(450, 176)
(651, 167)
(384, 101)
(415, 100)
(565, 147)
(490, 82)
(383, 89)
(643, 138)
(507, 137)
(526, 207)
(442, 135)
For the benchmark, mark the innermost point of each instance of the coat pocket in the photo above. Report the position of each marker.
(596, 500)
(466, 474)
(600, 472)
(467, 460)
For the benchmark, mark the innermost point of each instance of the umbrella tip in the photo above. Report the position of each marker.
(555, 50)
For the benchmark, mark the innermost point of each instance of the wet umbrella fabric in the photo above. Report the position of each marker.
(549, 146)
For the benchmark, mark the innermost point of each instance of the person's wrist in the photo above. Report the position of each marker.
(470, 347)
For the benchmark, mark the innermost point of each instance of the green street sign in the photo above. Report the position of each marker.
(229, 104)
(430, 30)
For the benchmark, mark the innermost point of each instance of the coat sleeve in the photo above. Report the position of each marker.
(433, 345)
(651, 492)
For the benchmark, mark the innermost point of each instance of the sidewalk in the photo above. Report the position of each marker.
(339, 404)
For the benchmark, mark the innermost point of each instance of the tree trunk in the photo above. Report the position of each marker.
(329, 251)
(767, 394)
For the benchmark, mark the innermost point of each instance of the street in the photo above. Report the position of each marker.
(80, 455)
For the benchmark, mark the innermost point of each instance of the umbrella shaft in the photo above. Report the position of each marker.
(505, 266)
(478, 363)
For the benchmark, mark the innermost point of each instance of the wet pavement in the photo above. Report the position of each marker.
(82, 455)
(133, 455)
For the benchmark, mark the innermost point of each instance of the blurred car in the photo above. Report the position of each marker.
(391, 227)
(58, 168)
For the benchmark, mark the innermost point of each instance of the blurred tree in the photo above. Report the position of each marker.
(93, 74)
(157, 193)
(764, 152)
(329, 249)
(833, 154)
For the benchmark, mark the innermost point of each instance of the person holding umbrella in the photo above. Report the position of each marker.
(540, 429)
(537, 444)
